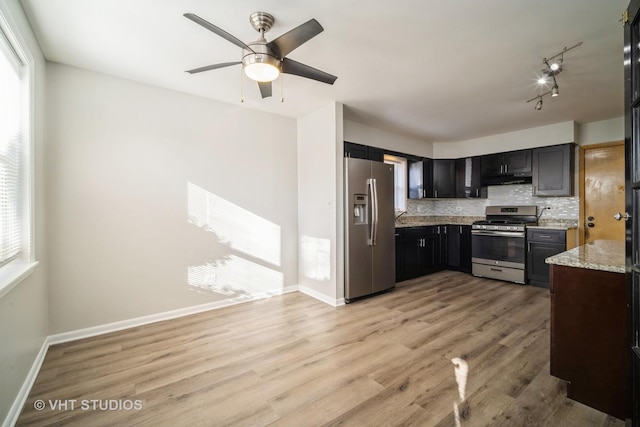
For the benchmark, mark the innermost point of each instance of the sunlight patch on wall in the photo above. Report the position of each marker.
(315, 256)
(242, 230)
(235, 277)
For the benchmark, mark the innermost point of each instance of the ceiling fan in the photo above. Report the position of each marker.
(263, 61)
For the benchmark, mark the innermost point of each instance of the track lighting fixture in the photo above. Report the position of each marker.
(553, 67)
(539, 98)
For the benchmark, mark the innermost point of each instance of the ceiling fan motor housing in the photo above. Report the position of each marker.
(261, 55)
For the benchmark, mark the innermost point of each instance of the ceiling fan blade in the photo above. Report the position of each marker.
(287, 42)
(265, 89)
(289, 66)
(212, 67)
(219, 31)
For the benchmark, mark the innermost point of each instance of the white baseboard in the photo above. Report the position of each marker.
(159, 317)
(319, 296)
(23, 394)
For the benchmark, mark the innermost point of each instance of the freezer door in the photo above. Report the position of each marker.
(383, 274)
(358, 252)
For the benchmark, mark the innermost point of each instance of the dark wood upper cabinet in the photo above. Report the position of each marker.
(492, 165)
(356, 151)
(376, 154)
(444, 178)
(553, 169)
(359, 151)
(469, 178)
(420, 178)
(501, 168)
(517, 163)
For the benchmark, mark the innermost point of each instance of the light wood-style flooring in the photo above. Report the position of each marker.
(293, 361)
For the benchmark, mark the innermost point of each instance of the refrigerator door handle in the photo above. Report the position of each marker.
(374, 210)
(371, 211)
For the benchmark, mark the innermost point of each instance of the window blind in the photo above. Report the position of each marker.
(13, 142)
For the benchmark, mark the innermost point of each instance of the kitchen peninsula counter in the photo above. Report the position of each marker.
(589, 323)
(603, 255)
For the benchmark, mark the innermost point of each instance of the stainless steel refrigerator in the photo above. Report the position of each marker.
(370, 261)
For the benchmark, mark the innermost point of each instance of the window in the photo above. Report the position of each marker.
(400, 180)
(15, 162)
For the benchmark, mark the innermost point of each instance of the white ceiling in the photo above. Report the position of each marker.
(439, 70)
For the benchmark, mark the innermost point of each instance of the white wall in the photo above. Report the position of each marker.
(161, 200)
(23, 311)
(559, 133)
(320, 205)
(374, 137)
(602, 131)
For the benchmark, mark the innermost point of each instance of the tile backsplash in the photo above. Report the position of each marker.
(566, 208)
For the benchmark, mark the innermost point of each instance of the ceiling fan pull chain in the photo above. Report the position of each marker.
(241, 86)
(281, 88)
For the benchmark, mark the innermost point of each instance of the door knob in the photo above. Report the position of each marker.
(590, 225)
(619, 216)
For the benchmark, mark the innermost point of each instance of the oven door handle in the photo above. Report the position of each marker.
(498, 233)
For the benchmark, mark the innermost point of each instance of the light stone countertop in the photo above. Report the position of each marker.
(604, 255)
(553, 226)
(420, 221)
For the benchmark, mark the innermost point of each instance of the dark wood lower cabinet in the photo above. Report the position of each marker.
(459, 247)
(589, 336)
(415, 252)
(425, 250)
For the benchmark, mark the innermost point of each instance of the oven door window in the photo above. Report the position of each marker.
(498, 248)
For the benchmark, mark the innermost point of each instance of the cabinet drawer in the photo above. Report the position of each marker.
(417, 231)
(549, 236)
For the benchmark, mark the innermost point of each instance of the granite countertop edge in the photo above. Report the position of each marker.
(603, 255)
(422, 221)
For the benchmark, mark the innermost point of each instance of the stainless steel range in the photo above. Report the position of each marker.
(498, 246)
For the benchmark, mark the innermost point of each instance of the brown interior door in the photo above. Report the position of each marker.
(603, 192)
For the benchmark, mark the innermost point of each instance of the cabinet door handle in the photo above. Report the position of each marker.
(477, 192)
(501, 169)
(460, 229)
(506, 168)
(435, 193)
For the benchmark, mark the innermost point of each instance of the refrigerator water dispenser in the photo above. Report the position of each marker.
(360, 209)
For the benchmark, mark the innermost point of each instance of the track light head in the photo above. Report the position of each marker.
(539, 105)
(554, 90)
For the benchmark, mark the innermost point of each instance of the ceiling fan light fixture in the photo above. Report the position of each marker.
(261, 72)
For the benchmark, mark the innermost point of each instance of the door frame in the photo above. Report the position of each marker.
(581, 153)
